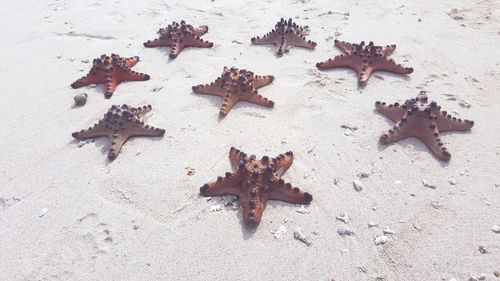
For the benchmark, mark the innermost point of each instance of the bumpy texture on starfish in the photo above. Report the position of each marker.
(179, 36)
(285, 35)
(364, 59)
(255, 182)
(235, 85)
(119, 124)
(417, 118)
(110, 71)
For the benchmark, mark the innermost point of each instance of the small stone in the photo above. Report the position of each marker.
(372, 224)
(496, 228)
(344, 231)
(496, 273)
(80, 99)
(452, 181)
(358, 186)
(381, 240)
(397, 182)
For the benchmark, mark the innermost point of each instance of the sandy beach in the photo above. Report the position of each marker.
(68, 213)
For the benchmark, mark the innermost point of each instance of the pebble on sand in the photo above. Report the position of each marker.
(80, 99)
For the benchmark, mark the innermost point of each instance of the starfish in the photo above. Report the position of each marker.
(111, 71)
(285, 35)
(417, 118)
(235, 85)
(179, 36)
(119, 124)
(255, 182)
(364, 59)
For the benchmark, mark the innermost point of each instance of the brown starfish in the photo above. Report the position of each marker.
(417, 118)
(255, 182)
(364, 59)
(179, 36)
(111, 71)
(235, 85)
(119, 124)
(284, 35)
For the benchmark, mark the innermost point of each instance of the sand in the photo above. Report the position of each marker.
(67, 213)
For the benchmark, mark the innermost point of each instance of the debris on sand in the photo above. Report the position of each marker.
(343, 218)
(381, 239)
(426, 184)
(297, 234)
(345, 231)
(280, 232)
(358, 186)
(302, 210)
(43, 212)
(496, 228)
(387, 230)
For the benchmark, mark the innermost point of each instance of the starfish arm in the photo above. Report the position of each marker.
(117, 141)
(222, 186)
(403, 129)
(131, 75)
(393, 111)
(228, 103)
(93, 77)
(351, 61)
(110, 86)
(235, 156)
(430, 137)
(99, 130)
(388, 50)
(446, 122)
(158, 42)
(261, 81)
(176, 49)
(253, 208)
(130, 62)
(194, 41)
(254, 97)
(139, 111)
(200, 30)
(344, 46)
(139, 129)
(270, 38)
(295, 39)
(214, 88)
(282, 163)
(384, 64)
(285, 192)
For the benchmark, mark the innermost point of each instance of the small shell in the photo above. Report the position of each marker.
(80, 99)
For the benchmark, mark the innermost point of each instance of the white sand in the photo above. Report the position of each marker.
(141, 218)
